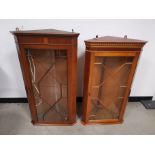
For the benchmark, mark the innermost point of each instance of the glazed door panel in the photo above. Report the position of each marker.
(109, 83)
(49, 77)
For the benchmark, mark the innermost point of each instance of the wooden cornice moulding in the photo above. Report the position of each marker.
(109, 42)
(44, 32)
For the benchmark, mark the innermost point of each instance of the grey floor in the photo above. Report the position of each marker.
(15, 119)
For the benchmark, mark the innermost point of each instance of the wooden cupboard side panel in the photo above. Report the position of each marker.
(72, 64)
(24, 75)
(73, 78)
(27, 82)
(89, 60)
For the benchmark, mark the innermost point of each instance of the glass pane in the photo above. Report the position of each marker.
(108, 86)
(49, 79)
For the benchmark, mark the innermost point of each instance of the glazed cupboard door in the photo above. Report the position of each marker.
(48, 69)
(109, 86)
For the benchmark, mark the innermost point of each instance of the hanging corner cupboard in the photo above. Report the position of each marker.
(48, 60)
(110, 64)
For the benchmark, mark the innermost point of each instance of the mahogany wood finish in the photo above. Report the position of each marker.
(48, 60)
(110, 64)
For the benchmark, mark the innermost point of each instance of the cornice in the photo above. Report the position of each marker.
(114, 45)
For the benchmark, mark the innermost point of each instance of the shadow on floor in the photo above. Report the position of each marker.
(79, 109)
